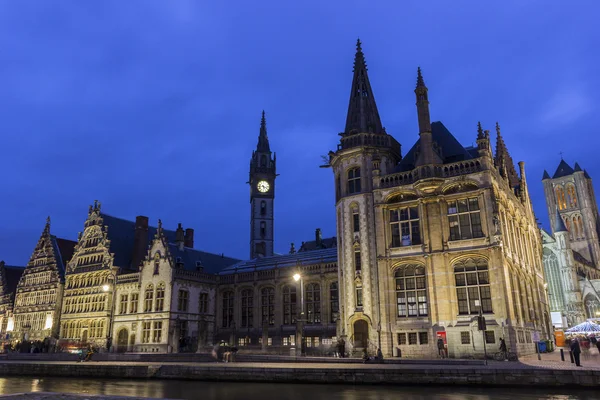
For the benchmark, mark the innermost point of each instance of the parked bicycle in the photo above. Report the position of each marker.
(505, 355)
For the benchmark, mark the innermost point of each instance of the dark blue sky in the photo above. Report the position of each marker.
(153, 107)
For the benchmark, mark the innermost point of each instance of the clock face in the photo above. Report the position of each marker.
(263, 186)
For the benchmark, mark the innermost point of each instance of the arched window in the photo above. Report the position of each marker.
(156, 263)
(227, 309)
(572, 196)
(560, 198)
(263, 161)
(568, 226)
(553, 276)
(268, 305)
(289, 305)
(148, 298)
(354, 180)
(592, 305)
(578, 227)
(338, 187)
(355, 220)
(160, 297)
(247, 308)
(263, 207)
(411, 291)
(473, 286)
(334, 302)
(313, 303)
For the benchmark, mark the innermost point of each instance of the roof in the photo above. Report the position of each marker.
(559, 224)
(581, 259)
(63, 249)
(284, 261)
(452, 150)
(326, 243)
(563, 169)
(13, 274)
(211, 263)
(546, 175)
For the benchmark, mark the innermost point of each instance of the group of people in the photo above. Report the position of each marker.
(224, 353)
(580, 344)
(27, 346)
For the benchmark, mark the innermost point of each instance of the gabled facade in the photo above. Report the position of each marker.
(39, 292)
(427, 240)
(9, 279)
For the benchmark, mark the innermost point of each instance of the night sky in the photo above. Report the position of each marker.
(153, 107)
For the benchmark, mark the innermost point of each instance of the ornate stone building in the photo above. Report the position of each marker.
(572, 250)
(427, 240)
(9, 279)
(39, 292)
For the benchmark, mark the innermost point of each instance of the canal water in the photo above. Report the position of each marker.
(279, 391)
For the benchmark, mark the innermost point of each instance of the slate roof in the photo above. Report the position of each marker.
(211, 263)
(326, 243)
(563, 169)
(581, 259)
(546, 175)
(63, 249)
(13, 274)
(283, 261)
(452, 150)
(559, 224)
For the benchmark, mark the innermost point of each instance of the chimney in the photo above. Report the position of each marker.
(189, 238)
(179, 237)
(318, 238)
(140, 242)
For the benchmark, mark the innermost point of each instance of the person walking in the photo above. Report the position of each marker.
(441, 348)
(503, 349)
(576, 351)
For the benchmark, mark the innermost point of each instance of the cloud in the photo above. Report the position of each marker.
(567, 105)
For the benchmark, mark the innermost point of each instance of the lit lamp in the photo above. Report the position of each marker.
(105, 288)
(48, 324)
(10, 324)
(299, 323)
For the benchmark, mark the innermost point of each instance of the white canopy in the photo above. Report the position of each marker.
(585, 327)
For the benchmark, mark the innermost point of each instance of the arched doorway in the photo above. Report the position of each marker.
(361, 333)
(122, 337)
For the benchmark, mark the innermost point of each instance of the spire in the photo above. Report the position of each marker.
(422, 104)
(420, 82)
(263, 139)
(503, 160)
(563, 169)
(559, 224)
(577, 167)
(47, 227)
(546, 175)
(480, 134)
(363, 116)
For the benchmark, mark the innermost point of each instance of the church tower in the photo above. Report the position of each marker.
(570, 190)
(365, 150)
(262, 195)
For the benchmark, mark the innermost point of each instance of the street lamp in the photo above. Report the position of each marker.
(299, 323)
(106, 287)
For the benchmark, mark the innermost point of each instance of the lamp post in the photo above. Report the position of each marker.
(106, 287)
(300, 321)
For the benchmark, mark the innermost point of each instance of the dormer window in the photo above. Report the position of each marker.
(178, 262)
(199, 266)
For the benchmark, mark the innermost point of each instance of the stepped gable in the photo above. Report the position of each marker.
(284, 261)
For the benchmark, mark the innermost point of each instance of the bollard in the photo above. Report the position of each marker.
(562, 355)
(572, 359)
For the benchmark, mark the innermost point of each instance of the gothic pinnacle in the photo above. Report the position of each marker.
(420, 81)
(480, 134)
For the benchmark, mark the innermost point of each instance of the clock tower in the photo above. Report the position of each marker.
(262, 195)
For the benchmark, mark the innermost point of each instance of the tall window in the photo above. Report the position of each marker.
(203, 303)
(183, 301)
(560, 198)
(227, 309)
(355, 220)
(411, 291)
(145, 332)
(289, 305)
(464, 219)
(263, 207)
(160, 297)
(473, 287)
(578, 227)
(268, 305)
(357, 260)
(354, 180)
(338, 187)
(359, 296)
(334, 302)
(133, 305)
(123, 306)
(157, 332)
(404, 223)
(247, 307)
(148, 298)
(263, 229)
(572, 196)
(313, 303)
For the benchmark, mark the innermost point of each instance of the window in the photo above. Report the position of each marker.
(359, 296)
(334, 302)
(243, 341)
(247, 307)
(473, 287)
(404, 223)
(578, 227)
(145, 332)
(490, 337)
(465, 337)
(269, 341)
(411, 291)
(464, 219)
(289, 305)
(123, 306)
(203, 303)
(354, 180)
(313, 303)
(412, 338)
(157, 332)
(560, 198)
(133, 305)
(182, 302)
(183, 329)
(402, 338)
(571, 195)
(263, 229)
(423, 338)
(355, 221)
(148, 298)
(357, 260)
(338, 187)
(263, 207)
(227, 309)
(160, 297)
(268, 305)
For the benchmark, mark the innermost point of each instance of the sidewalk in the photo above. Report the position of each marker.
(589, 360)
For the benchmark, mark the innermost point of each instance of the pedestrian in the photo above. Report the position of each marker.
(379, 355)
(503, 349)
(576, 351)
(441, 348)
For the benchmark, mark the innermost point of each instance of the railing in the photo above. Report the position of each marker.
(426, 171)
(369, 139)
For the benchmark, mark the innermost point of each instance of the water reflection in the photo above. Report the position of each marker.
(261, 391)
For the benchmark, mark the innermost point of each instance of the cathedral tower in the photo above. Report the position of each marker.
(262, 195)
(570, 190)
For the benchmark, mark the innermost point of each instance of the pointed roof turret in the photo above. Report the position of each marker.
(263, 139)
(504, 161)
(577, 167)
(480, 134)
(420, 81)
(563, 169)
(546, 175)
(363, 116)
(559, 224)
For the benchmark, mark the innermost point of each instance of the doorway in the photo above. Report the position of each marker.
(122, 341)
(361, 333)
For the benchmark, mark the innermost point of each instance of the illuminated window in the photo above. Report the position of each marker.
(157, 332)
(289, 305)
(464, 219)
(247, 308)
(354, 181)
(572, 196)
(123, 306)
(560, 198)
(313, 303)
(133, 305)
(148, 298)
(268, 305)
(411, 291)
(473, 287)
(404, 224)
